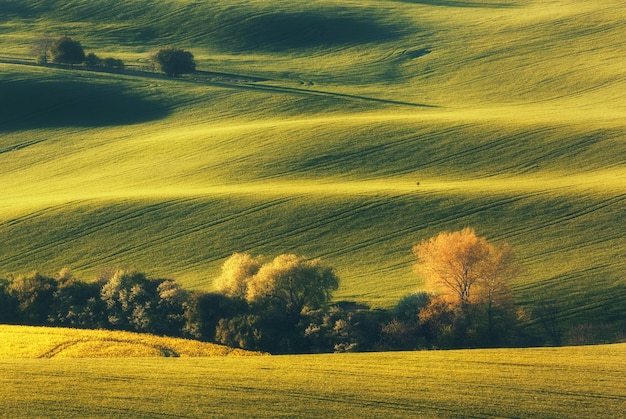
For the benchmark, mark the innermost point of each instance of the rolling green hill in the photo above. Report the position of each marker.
(509, 114)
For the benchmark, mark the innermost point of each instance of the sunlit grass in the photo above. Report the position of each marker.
(549, 382)
(509, 114)
(22, 342)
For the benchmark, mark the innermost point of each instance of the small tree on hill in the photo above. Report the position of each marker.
(40, 48)
(67, 51)
(174, 62)
(110, 62)
(92, 60)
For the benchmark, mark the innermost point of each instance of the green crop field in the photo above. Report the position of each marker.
(346, 130)
(582, 382)
(509, 114)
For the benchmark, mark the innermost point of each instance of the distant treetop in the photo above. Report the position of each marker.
(174, 62)
(67, 51)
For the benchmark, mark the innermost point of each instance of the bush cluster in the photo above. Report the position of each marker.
(285, 317)
(285, 305)
(93, 61)
(64, 50)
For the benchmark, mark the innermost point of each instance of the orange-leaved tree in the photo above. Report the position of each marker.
(469, 270)
(466, 266)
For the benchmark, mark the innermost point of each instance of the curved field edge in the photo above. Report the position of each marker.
(20, 342)
(582, 382)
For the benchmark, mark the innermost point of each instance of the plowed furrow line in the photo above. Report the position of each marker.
(493, 145)
(161, 241)
(252, 245)
(421, 226)
(83, 232)
(21, 146)
(33, 215)
(526, 229)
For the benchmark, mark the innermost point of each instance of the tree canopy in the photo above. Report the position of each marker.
(293, 283)
(237, 271)
(290, 282)
(465, 266)
(174, 61)
(67, 51)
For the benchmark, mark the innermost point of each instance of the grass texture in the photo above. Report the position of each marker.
(582, 382)
(27, 342)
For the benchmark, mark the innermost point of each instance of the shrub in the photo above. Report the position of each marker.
(75, 303)
(34, 295)
(174, 62)
(399, 335)
(92, 60)
(408, 308)
(205, 310)
(241, 331)
(131, 301)
(115, 63)
(67, 51)
(8, 305)
(171, 306)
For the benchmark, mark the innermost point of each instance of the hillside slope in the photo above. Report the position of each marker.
(509, 114)
(26, 342)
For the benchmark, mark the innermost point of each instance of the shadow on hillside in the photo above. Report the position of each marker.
(464, 3)
(14, 8)
(22, 9)
(290, 31)
(49, 104)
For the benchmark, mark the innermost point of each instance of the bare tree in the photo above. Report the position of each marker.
(547, 312)
(40, 48)
(493, 289)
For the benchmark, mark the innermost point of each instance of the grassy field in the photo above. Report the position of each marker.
(510, 115)
(582, 382)
(27, 342)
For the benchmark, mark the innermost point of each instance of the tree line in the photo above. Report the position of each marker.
(285, 305)
(64, 50)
